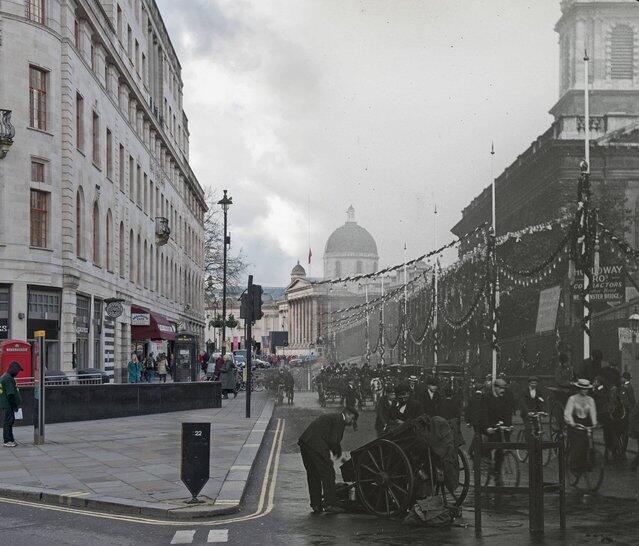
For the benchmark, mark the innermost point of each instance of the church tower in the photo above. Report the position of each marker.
(609, 31)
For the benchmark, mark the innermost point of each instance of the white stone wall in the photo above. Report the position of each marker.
(120, 95)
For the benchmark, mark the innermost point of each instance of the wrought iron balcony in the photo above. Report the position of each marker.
(7, 132)
(162, 230)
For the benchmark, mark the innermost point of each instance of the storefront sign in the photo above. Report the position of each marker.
(625, 336)
(164, 328)
(608, 284)
(114, 308)
(4, 328)
(140, 319)
(82, 330)
(548, 305)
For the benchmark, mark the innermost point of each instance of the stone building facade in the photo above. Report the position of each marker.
(97, 198)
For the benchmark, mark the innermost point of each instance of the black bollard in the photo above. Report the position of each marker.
(196, 455)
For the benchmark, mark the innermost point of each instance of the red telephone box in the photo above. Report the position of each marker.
(20, 351)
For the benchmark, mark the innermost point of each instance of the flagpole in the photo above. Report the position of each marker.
(435, 295)
(382, 326)
(495, 305)
(405, 302)
(586, 175)
(310, 254)
(368, 331)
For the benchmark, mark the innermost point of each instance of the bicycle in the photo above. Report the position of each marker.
(537, 429)
(593, 468)
(290, 393)
(509, 472)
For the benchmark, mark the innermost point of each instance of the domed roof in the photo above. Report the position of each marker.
(351, 238)
(298, 271)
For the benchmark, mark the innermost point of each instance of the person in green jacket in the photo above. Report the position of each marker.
(10, 401)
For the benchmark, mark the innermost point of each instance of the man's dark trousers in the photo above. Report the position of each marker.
(7, 425)
(320, 475)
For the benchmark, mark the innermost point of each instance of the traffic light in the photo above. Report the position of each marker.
(246, 312)
(257, 302)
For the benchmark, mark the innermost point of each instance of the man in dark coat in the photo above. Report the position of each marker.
(405, 408)
(497, 408)
(531, 402)
(10, 401)
(431, 399)
(322, 438)
(384, 412)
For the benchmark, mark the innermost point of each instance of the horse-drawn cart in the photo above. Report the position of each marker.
(415, 460)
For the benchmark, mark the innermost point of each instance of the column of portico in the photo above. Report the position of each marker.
(305, 319)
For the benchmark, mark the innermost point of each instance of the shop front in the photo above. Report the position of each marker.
(151, 333)
(4, 312)
(43, 313)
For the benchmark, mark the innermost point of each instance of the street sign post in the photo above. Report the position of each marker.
(196, 455)
(38, 375)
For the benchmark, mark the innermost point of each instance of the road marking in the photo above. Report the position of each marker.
(270, 479)
(76, 494)
(183, 537)
(218, 535)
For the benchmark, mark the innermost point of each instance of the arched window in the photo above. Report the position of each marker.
(621, 53)
(338, 269)
(121, 265)
(157, 271)
(79, 221)
(138, 269)
(151, 269)
(358, 267)
(109, 241)
(96, 233)
(146, 266)
(131, 256)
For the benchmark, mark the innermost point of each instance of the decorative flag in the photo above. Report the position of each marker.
(310, 255)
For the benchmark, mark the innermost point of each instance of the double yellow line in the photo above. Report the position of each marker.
(264, 506)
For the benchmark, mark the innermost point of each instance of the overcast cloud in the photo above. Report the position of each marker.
(385, 105)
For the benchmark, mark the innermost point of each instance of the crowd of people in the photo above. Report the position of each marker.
(146, 368)
(587, 395)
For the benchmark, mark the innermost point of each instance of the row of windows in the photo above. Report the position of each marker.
(147, 269)
(142, 190)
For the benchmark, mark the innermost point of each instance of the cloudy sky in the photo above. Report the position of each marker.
(388, 105)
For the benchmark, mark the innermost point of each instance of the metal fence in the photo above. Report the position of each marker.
(70, 378)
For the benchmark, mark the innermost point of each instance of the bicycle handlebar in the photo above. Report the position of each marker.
(538, 414)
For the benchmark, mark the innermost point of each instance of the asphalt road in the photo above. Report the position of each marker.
(277, 511)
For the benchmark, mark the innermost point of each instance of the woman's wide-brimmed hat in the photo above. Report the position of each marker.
(583, 384)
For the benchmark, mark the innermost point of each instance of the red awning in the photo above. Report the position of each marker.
(158, 328)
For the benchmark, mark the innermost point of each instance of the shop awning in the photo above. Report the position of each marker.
(157, 326)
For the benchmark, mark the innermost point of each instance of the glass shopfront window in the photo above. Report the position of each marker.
(82, 322)
(97, 335)
(4, 312)
(43, 313)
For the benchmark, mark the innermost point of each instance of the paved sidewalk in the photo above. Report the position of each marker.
(132, 464)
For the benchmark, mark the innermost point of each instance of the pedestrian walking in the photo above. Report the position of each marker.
(227, 377)
(161, 363)
(10, 402)
(133, 368)
(322, 438)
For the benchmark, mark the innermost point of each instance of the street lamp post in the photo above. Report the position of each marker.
(633, 321)
(225, 202)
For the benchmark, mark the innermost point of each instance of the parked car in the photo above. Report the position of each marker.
(93, 373)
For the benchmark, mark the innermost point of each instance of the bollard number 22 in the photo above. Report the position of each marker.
(198, 433)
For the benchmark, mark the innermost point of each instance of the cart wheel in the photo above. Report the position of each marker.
(461, 491)
(385, 480)
(510, 473)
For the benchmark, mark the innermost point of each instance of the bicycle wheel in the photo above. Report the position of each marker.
(522, 454)
(460, 492)
(595, 474)
(510, 472)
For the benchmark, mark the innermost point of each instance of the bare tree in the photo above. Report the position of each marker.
(214, 252)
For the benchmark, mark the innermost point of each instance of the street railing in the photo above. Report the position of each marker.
(63, 379)
(536, 487)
